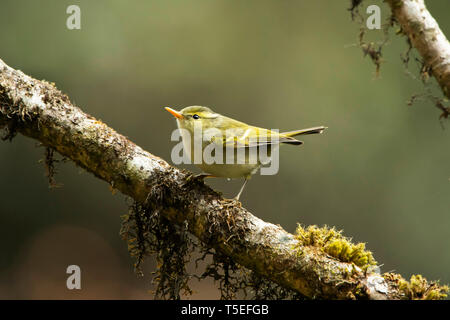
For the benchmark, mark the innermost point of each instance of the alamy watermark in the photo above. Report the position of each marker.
(374, 20)
(74, 20)
(74, 280)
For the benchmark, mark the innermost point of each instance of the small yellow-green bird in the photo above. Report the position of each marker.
(230, 134)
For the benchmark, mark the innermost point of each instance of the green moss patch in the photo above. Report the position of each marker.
(332, 242)
(418, 288)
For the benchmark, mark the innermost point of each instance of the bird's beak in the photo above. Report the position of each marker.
(175, 113)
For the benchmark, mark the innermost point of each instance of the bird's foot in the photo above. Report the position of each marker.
(236, 202)
(197, 178)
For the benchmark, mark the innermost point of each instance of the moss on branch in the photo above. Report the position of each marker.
(332, 242)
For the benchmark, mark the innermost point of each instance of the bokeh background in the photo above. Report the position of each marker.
(380, 172)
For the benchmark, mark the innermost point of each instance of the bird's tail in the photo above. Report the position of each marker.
(304, 131)
(288, 136)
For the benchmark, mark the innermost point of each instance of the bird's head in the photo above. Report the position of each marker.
(189, 117)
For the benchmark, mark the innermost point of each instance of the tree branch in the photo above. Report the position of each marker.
(40, 111)
(425, 35)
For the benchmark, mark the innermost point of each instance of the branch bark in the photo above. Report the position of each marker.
(425, 35)
(38, 110)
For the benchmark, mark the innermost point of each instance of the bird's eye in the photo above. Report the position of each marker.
(196, 116)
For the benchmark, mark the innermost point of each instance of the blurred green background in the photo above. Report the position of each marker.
(380, 172)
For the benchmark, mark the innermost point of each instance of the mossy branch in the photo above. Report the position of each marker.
(317, 262)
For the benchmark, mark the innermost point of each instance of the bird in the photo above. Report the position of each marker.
(226, 139)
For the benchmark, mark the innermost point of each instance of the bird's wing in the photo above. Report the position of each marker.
(249, 136)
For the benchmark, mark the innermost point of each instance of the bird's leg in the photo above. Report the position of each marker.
(242, 189)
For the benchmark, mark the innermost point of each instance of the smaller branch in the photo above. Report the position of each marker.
(425, 35)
